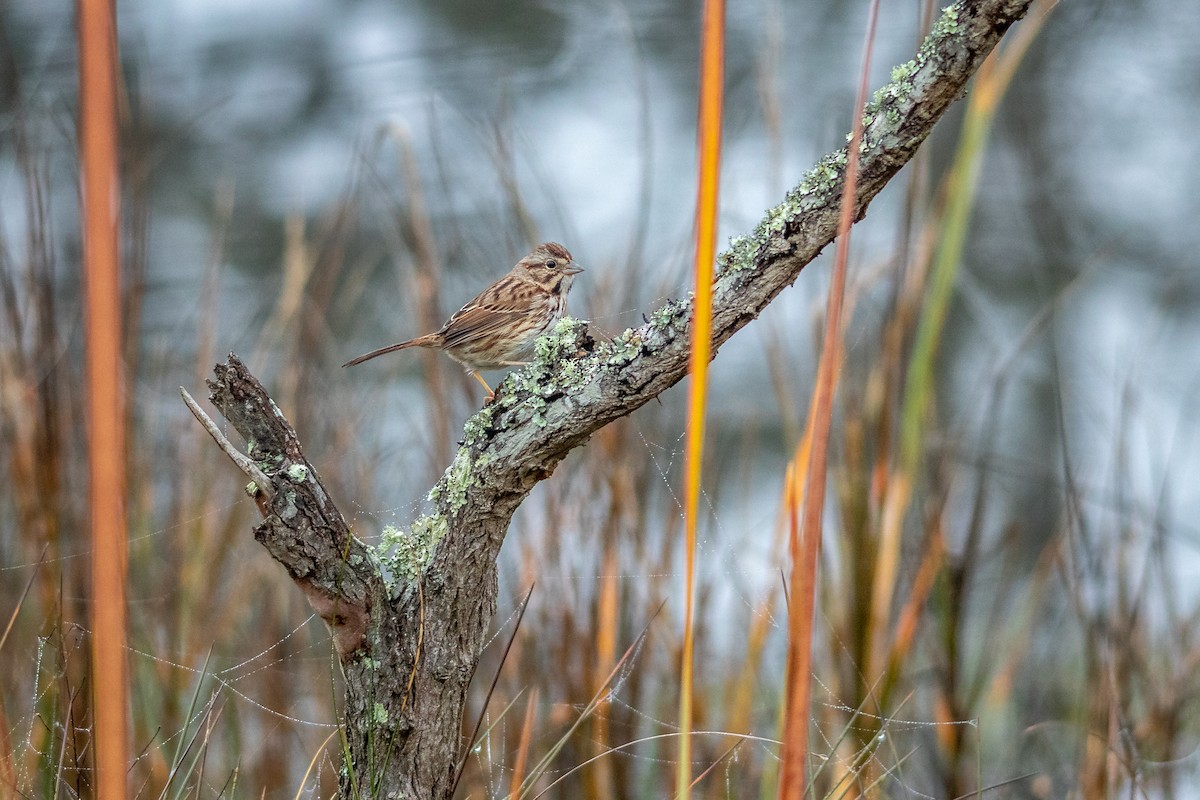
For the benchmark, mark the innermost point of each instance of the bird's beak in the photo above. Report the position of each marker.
(574, 269)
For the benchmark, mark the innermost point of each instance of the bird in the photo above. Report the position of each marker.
(500, 326)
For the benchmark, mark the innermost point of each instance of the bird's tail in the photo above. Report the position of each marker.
(428, 340)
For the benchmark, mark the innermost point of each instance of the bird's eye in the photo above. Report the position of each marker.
(551, 264)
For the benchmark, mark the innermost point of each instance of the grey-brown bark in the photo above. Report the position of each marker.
(409, 622)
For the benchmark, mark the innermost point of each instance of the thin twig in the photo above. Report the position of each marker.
(21, 601)
(243, 461)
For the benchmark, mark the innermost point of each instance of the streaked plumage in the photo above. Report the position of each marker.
(499, 327)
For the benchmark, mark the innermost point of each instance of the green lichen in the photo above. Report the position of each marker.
(888, 100)
(297, 473)
(389, 538)
(404, 555)
(549, 348)
(775, 220)
(572, 373)
(817, 188)
(888, 97)
(739, 255)
(513, 384)
(903, 73)
(379, 714)
(947, 24)
(537, 405)
(456, 480)
(820, 180)
(478, 426)
(252, 489)
(557, 353)
(624, 348)
(743, 252)
(269, 463)
(557, 367)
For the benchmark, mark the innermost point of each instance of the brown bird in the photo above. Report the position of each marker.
(499, 327)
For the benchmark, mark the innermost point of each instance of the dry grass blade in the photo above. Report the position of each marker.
(804, 571)
(313, 762)
(518, 772)
(12, 618)
(714, 764)
(998, 785)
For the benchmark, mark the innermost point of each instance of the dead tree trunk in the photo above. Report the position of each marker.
(409, 621)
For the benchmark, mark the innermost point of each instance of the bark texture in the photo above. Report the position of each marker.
(409, 621)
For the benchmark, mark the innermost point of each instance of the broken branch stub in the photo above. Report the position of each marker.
(302, 529)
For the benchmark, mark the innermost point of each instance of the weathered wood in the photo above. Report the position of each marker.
(410, 620)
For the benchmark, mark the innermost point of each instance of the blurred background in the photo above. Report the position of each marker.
(307, 180)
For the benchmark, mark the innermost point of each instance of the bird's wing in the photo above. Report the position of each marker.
(498, 306)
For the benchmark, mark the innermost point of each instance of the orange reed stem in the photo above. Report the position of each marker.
(105, 402)
(712, 67)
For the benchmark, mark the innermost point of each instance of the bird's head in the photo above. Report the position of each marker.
(550, 265)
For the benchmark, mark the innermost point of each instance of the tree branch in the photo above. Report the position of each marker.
(409, 621)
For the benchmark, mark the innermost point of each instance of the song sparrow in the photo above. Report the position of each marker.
(499, 327)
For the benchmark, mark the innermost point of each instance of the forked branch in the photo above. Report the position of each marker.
(409, 621)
